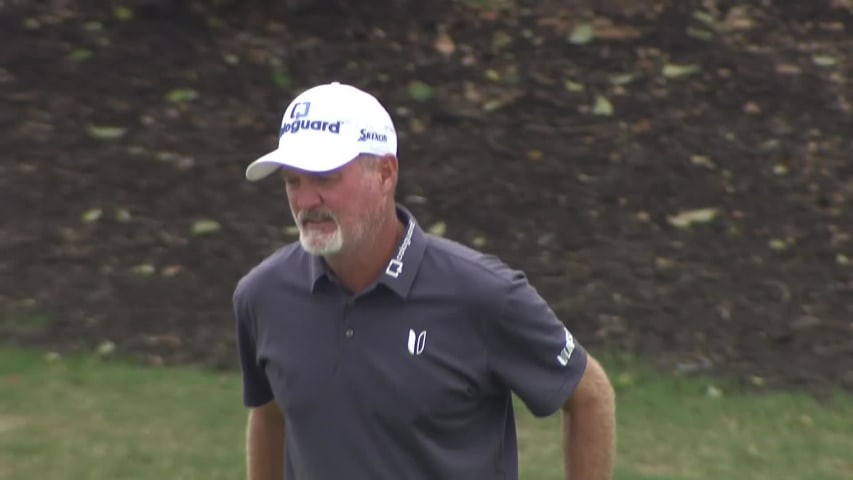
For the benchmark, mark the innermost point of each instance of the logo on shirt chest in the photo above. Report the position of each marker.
(417, 342)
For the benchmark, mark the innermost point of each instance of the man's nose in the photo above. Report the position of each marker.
(305, 197)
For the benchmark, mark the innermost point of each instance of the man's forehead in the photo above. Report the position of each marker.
(288, 171)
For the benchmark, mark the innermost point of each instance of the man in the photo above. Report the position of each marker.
(371, 350)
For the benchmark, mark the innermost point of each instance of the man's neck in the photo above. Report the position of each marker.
(360, 267)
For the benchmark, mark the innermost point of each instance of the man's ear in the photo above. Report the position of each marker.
(388, 171)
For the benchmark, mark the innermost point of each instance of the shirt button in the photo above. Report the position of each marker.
(349, 333)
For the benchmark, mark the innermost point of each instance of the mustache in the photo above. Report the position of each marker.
(316, 215)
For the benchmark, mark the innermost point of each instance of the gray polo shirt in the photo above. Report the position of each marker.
(409, 379)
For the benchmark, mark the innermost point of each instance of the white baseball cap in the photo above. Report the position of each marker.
(325, 127)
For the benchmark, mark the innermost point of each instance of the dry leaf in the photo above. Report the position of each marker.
(438, 229)
(677, 71)
(606, 30)
(824, 60)
(703, 161)
(641, 126)
(582, 34)
(478, 242)
(205, 227)
(444, 44)
(472, 94)
(687, 218)
(602, 106)
(91, 215)
(751, 108)
(105, 132)
(737, 19)
(171, 270)
(788, 69)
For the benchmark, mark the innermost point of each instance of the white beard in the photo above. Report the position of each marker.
(330, 244)
(321, 243)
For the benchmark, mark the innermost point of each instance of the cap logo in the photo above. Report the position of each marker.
(299, 123)
(300, 110)
(317, 125)
(366, 135)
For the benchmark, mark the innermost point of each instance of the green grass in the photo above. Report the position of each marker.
(84, 418)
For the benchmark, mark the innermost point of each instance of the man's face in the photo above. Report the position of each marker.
(334, 211)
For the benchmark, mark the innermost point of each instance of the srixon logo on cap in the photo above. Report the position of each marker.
(365, 135)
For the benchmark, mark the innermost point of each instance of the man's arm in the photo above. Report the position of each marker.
(589, 426)
(265, 443)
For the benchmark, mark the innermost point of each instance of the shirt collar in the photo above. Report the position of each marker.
(403, 266)
(400, 270)
(317, 270)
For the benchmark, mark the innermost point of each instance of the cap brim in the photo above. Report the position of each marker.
(316, 159)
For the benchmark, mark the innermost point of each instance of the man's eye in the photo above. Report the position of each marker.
(325, 179)
(291, 182)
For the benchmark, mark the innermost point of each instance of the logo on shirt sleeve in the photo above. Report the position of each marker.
(566, 353)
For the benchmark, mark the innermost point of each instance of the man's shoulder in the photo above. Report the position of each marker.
(280, 265)
(467, 267)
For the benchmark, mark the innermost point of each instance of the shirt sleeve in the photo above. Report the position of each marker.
(256, 386)
(531, 351)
